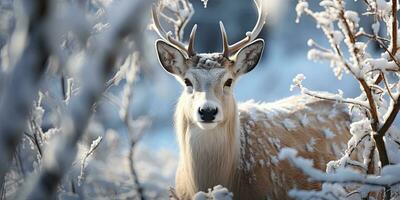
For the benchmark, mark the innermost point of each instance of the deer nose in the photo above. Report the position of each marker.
(208, 114)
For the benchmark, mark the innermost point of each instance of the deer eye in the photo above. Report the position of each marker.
(188, 83)
(228, 83)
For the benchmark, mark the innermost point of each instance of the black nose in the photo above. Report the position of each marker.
(208, 114)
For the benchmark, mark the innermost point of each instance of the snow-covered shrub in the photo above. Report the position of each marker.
(217, 193)
(62, 64)
(369, 167)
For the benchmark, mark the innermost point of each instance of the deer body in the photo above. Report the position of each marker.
(245, 160)
(236, 146)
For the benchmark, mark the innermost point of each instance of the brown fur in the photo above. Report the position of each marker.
(257, 174)
(261, 177)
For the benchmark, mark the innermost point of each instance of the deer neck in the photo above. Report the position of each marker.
(208, 157)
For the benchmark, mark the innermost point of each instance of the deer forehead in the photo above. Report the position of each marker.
(207, 70)
(210, 61)
(206, 78)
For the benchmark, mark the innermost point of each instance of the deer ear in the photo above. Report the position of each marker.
(171, 58)
(248, 57)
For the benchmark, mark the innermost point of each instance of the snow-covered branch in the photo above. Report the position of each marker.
(22, 84)
(388, 178)
(99, 62)
(92, 148)
(374, 111)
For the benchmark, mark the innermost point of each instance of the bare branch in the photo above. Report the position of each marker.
(388, 89)
(394, 28)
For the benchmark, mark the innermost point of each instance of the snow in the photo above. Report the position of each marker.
(328, 133)
(342, 175)
(289, 124)
(328, 192)
(337, 37)
(359, 128)
(205, 2)
(380, 63)
(310, 146)
(275, 142)
(287, 153)
(49, 134)
(261, 162)
(300, 8)
(310, 42)
(297, 80)
(304, 120)
(315, 54)
(375, 27)
(327, 3)
(274, 160)
(353, 16)
(217, 193)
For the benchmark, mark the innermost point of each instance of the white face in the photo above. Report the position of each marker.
(208, 80)
(208, 94)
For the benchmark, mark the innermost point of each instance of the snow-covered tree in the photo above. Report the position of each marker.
(370, 165)
(59, 64)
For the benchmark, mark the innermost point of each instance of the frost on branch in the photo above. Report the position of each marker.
(205, 2)
(176, 13)
(92, 148)
(334, 182)
(300, 8)
(370, 149)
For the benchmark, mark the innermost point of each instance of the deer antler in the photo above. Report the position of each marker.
(250, 36)
(179, 25)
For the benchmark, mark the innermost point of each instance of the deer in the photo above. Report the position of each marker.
(222, 142)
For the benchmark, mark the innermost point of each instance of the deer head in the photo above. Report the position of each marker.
(208, 78)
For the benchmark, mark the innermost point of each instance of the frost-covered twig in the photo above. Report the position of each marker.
(35, 123)
(128, 72)
(99, 64)
(381, 44)
(135, 177)
(388, 89)
(372, 37)
(137, 128)
(92, 148)
(326, 96)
